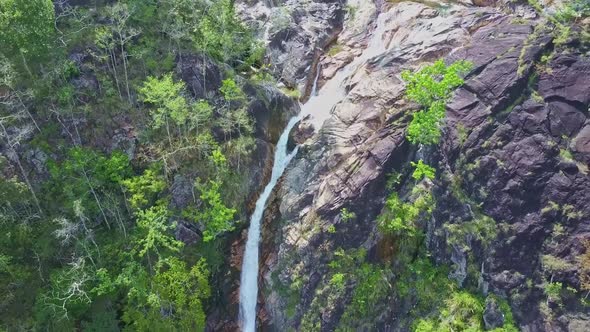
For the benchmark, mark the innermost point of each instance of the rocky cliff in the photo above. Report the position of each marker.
(515, 152)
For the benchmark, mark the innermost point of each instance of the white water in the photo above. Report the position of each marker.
(249, 278)
(320, 104)
(319, 107)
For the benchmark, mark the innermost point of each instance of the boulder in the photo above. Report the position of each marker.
(492, 314)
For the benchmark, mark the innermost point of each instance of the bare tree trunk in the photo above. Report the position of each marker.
(21, 168)
(27, 111)
(112, 56)
(124, 56)
(104, 216)
(25, 64)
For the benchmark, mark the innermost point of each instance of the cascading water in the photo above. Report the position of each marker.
(320, 104)
(318, 107)
(249, 278)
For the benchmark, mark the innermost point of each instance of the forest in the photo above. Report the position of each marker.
(89, 243)
(447, 190)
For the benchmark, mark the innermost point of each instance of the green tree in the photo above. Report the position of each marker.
(167, 98)
(123, 33)
(200, 115)
(431, 87)
(144, 188)
(26, 28)
(423, 170)
(91, 178)
(153, 231)
(231, 92)
(222, 35)
(182, 290)
(462, 311)
(213, 214)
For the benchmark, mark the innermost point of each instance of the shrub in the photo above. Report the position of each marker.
(423, 170)
(431, 87)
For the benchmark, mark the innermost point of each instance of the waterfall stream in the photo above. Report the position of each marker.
(319, 107)
(249, 278)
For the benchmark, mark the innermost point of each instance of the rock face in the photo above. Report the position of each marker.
(492, 315)
(201, 75)
(516, 145)
(296, 33)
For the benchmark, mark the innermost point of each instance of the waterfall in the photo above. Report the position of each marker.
(318, 107)
(249, 278)
(314, 88)
(320, 104)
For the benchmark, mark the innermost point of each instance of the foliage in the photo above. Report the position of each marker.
(231, 91)
(222, 35)
(423, 170)
(400, 218)
(88, 177)
(63, 264)
(167, 98)
(143, 188)
(553, 291)
(346, 215)
(431, 87)
(153, 227)
(573, 10)
(337, 280)
(26, 27)
(462, 312)
(69, 290)
(372, 287)
(184, 291)
(554, 264)
(584, 263)
(482, 228)
(215, 216)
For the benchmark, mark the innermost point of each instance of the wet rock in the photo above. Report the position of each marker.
(484, 3)
(581, 143)
(296, 32)
(303, 131)
(459, 259)
(492, 315)
(502, 142)
(271, 110)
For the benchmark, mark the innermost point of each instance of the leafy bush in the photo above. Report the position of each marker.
(463, 311)
(422, 170)
(431, 87)
(573, 10)
(166, 96)
(400, 218)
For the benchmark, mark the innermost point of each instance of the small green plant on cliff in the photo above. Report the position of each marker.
(431, 87)
(372, 287)
(482, 228)
(335, 49)
(423, 170)
(400, 218)
(553, 291)
(346, 215)
(572, 11)
(463, 311)
(584, 264)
